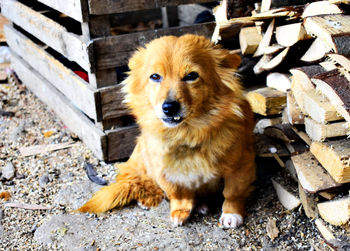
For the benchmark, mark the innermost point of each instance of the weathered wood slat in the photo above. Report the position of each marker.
(98, 104)
(115, 50)
(312, 176)
(335, 157)
(112, 6)
(71, 85)
(76, 9)
(121, 142)
(75, 120)
(48, 31)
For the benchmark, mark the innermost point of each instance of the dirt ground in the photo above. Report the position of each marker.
(57, 181)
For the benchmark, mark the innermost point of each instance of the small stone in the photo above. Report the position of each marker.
(8, 172)
(44, 180)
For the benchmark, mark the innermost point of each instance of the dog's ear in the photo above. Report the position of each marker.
(231, 60)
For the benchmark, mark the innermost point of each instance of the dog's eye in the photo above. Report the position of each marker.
(192, 76)
(156, 77)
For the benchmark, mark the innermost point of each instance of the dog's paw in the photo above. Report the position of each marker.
(179, 217)
(142, 206)
(231, 220)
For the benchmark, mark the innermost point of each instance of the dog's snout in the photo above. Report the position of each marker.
(171, 108)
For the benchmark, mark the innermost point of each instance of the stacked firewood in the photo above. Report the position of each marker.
(303, 54)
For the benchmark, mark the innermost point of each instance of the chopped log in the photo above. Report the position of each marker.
(335, 212)
(320, 132)
(249, 39)
(274, 62)
(272, 49)
(312, 176)
(278, 81)
(302, 135)
(341, 60)
(265, 122)
(328, 195)
(337, 88)
(266, 101)
(294, 114)
(309, 202)
(320, 8)
(328, 28)
(335, 158)
(328, 65)
(266, 39)
(313, 104)
(325, 232)
(290, 34)
(304, 74)
(316, 52)
(282, 132)
(265, 5)
(286, 197)
(258, 68)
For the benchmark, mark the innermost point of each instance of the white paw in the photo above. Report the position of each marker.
(177, 222)
(142, 206)
(231, 220)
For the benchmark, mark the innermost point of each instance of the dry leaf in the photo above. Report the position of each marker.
(48, 134)
(272, 230)
(5, 195)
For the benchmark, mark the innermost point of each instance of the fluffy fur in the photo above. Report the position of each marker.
(207, 141)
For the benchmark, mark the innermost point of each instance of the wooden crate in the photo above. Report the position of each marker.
(50, 40)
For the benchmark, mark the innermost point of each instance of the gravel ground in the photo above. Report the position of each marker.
(57, 180)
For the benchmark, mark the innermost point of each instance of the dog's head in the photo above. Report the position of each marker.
(179, 80)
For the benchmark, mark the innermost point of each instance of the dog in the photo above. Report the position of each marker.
(196, 131)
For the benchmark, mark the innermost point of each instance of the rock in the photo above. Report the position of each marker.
(8, 172)
(44, 180)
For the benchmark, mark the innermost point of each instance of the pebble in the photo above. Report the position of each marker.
(8, 172)
(44, 180)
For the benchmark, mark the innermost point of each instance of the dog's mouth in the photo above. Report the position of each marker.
(172, 121)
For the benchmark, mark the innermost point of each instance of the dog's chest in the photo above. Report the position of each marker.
(189, 168)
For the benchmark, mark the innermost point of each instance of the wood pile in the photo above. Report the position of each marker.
(301, 97)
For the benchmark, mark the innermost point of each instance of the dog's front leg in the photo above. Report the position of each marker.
(236, 190)
(181, 207)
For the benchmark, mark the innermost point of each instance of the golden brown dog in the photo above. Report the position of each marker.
(196, 131)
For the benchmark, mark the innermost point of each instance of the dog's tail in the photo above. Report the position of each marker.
(128, 187)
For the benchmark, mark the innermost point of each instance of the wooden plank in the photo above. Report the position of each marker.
(76, 9)
(309, 202)
(115, 50)
(312, 176)
(335, 212)
(320, 132)
(112, 102)
(326, 27)
(74, 119)
(112, 6)
(79, 92)
(48, 31)
(335, 157)
(337, 88)
(121, 142)
(266, 101)
(249, 39)
(313, 104)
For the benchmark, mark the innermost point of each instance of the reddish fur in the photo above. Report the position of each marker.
(214, 140)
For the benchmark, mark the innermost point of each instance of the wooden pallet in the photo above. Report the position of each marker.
(50, 40)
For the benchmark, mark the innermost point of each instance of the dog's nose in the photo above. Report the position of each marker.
(171, 108)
